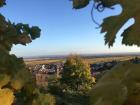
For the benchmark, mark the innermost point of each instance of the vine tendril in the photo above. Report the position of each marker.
(100, 7)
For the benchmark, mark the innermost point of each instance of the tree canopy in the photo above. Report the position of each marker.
(76, 74)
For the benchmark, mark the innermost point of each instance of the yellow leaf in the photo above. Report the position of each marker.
(6, 97)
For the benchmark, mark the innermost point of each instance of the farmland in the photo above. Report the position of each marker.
(89, 60)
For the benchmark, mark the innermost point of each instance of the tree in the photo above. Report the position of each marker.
(76, 74)
(120, 86)
(16, 84)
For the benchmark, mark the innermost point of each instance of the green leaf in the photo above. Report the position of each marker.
(2, 3)
(35, 32)
(112, 25)
(4, 80)
(77, 4)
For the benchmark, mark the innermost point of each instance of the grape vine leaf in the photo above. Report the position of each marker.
(111, 25)
(77, 4)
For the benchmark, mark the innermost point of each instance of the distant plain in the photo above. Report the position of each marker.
(89, 59)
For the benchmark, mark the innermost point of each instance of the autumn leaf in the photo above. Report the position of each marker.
(6, 97)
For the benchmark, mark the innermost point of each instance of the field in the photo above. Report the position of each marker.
(42, 61)
(108, 59)
(89, 60)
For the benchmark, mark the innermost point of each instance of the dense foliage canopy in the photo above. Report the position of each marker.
(16, 84)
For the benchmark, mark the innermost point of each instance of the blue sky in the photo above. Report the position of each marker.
(64, 30)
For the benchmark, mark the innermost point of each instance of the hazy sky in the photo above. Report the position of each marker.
(64, 30)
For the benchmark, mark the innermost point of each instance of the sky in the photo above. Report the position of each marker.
(64, 30)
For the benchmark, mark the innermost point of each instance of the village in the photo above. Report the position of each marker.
(41, 72)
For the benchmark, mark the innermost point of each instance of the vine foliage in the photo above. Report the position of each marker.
(121, 85)
(111, 25)
(16, 84)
